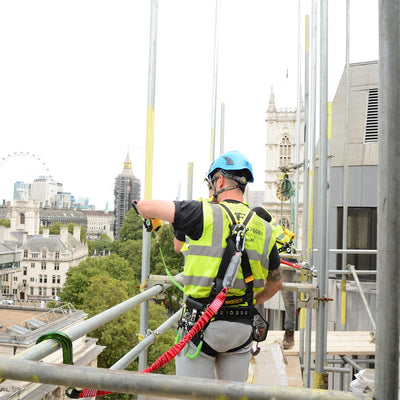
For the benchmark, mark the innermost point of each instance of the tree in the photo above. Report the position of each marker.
(78, 278)
(132, 227)
(99, 283)
(99, 246)
(5, 222)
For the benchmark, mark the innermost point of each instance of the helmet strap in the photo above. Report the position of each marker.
(216, 193)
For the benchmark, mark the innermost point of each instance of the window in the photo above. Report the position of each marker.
(361, 234)
(53, 279)
(5, 278)
(285, 151)
(32, 279)
(31, 291)
(56, 266)
(44, 278)
(57, 255)
(22, 218)
(32, 265)
(58, 279)
(43, 265)
(44, 254)
(26, 253)
(25, 271)
(371, 121)
(40, 278)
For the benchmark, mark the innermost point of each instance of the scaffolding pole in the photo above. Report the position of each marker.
(151, 94)
(49, 346)
(320, 377)
(158, 384)
(388, 282)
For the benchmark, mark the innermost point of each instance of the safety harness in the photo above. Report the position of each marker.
(234, 256)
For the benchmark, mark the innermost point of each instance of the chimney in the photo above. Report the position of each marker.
(64, 235)
(45, 232)
(77, 233)
(4, 233)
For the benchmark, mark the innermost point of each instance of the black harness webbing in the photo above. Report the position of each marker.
(245, 264)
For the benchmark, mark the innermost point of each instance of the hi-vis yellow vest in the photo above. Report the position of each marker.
(205, 254)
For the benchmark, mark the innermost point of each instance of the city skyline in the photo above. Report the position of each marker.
(75, 80)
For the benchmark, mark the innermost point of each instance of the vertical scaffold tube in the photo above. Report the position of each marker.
(151, 90)
(320, 381)
(388, 282)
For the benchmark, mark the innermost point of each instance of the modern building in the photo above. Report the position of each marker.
(126, 189)
(44, 189)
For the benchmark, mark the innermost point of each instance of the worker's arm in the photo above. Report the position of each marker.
(273, 284)
(164, 210)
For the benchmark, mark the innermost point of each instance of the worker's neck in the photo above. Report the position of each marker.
(230, 195)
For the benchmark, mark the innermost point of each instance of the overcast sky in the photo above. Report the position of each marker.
(73, 85)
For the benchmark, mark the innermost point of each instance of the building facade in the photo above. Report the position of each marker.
(99, 223)
(41, 272)
(280, 146)
(126, 189)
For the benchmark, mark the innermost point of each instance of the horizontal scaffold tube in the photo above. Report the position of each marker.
(47, 347)
(159, 385)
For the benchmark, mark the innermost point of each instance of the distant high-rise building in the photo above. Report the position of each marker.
(126, 189)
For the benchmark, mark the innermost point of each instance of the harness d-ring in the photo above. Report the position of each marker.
(64, 340)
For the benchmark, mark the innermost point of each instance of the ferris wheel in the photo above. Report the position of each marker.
(8, 157)
(23, 191)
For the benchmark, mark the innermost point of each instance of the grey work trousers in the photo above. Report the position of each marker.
(289, 299)
(221, 336)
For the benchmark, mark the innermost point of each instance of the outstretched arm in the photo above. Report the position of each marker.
(273, 284)
(164, 210)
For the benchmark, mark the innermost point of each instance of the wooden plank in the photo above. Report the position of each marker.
(293, 371)
(338, 342)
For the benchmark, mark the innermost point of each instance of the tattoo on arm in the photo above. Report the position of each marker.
(274, 275)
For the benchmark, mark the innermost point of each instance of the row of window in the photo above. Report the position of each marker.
(43, 265)
(42, 279)
(40, 291)
(43, 253)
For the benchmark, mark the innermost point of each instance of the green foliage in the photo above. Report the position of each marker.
(99, 283)
(103, 244)
(78, 278)
(5, 222)
(132, 228)
(55, 230)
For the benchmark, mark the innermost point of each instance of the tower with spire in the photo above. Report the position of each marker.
(126, 189)
(280, 148)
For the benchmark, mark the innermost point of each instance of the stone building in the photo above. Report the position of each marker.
(41, 272)
(280, 146)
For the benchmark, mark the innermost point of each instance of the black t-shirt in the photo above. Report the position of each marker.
(188, 221)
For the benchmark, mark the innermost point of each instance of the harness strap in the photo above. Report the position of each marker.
(230, 250)
(207, 349)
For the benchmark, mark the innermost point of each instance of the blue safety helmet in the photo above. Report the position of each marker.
(233, 165)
